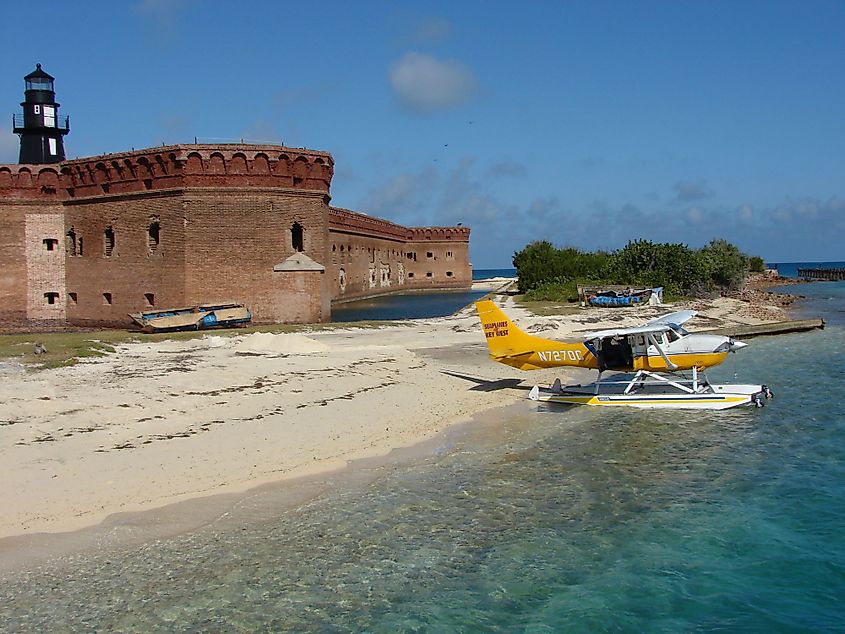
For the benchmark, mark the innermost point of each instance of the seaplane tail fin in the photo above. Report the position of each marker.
(504, 339)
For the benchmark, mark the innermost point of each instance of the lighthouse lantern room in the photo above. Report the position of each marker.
(40, 128)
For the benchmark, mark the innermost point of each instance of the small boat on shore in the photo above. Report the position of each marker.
(202, 317)
(628, 297)
(610, 296)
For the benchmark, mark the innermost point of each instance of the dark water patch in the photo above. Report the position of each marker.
(412, 306)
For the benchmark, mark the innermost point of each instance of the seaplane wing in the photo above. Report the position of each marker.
(672, 321)
(676, 319)
(624, 332)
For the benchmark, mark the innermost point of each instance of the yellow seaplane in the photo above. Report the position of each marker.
(657, 365)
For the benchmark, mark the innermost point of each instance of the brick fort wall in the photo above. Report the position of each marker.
(90, 240)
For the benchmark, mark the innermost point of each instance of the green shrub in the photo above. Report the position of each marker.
(756, 264)
(728, 265)
(549, 273)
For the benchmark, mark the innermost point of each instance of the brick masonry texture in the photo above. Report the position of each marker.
(87, 241)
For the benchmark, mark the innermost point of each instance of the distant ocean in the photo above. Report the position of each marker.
(489, 274)
(534, 520)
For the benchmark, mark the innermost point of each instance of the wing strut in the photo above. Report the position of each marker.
(653, 341)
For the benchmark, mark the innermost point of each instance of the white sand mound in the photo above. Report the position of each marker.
(282, 343)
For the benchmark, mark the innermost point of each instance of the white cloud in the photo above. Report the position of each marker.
(686, 191)
(745, 213)
(10, 146)
(401, 196)
(695, 215)
(507, 169)
(424, 84)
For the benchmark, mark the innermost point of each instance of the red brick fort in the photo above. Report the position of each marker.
(86, 241)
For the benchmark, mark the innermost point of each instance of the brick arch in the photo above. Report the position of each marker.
(300, 170)
(161, 166)
(321, 170)
(80, 175)
(6, 177)
(237, 165)
(48, 177)
(101, 173)
(216, 164)
(144, 168)
(194, 163)
(283, 165)
(131, 167)
(24, 178)
(260, 164)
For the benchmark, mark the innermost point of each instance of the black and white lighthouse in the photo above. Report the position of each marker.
(40, 128)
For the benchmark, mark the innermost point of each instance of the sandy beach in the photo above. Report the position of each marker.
(158, 423)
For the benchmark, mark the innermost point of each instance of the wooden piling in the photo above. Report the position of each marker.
(828, 274)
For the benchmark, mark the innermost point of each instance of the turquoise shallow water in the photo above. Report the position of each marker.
(541, 521)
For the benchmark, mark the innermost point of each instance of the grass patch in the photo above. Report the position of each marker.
(67, 348)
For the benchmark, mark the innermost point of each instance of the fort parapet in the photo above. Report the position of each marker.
(177, 166)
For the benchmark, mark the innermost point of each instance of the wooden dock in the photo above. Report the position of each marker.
(830, 274)
(767, 328)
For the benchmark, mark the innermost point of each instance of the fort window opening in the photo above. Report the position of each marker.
(108, 242)
(79, 251)
(72, 297)
(51, 244)
(71, 242)
(150, 298)
(450, 255)
(51, 298)
(410, 275)
(107, 298)
(153, 236)
(428, 274)
(448, 273)
(297, 237)
(429, 254)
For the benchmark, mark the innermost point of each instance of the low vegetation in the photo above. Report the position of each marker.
(547, 273)
(59, 349)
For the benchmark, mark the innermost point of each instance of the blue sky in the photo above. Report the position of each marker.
(584, 123)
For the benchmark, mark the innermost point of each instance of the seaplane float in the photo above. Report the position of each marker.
(657, 365)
